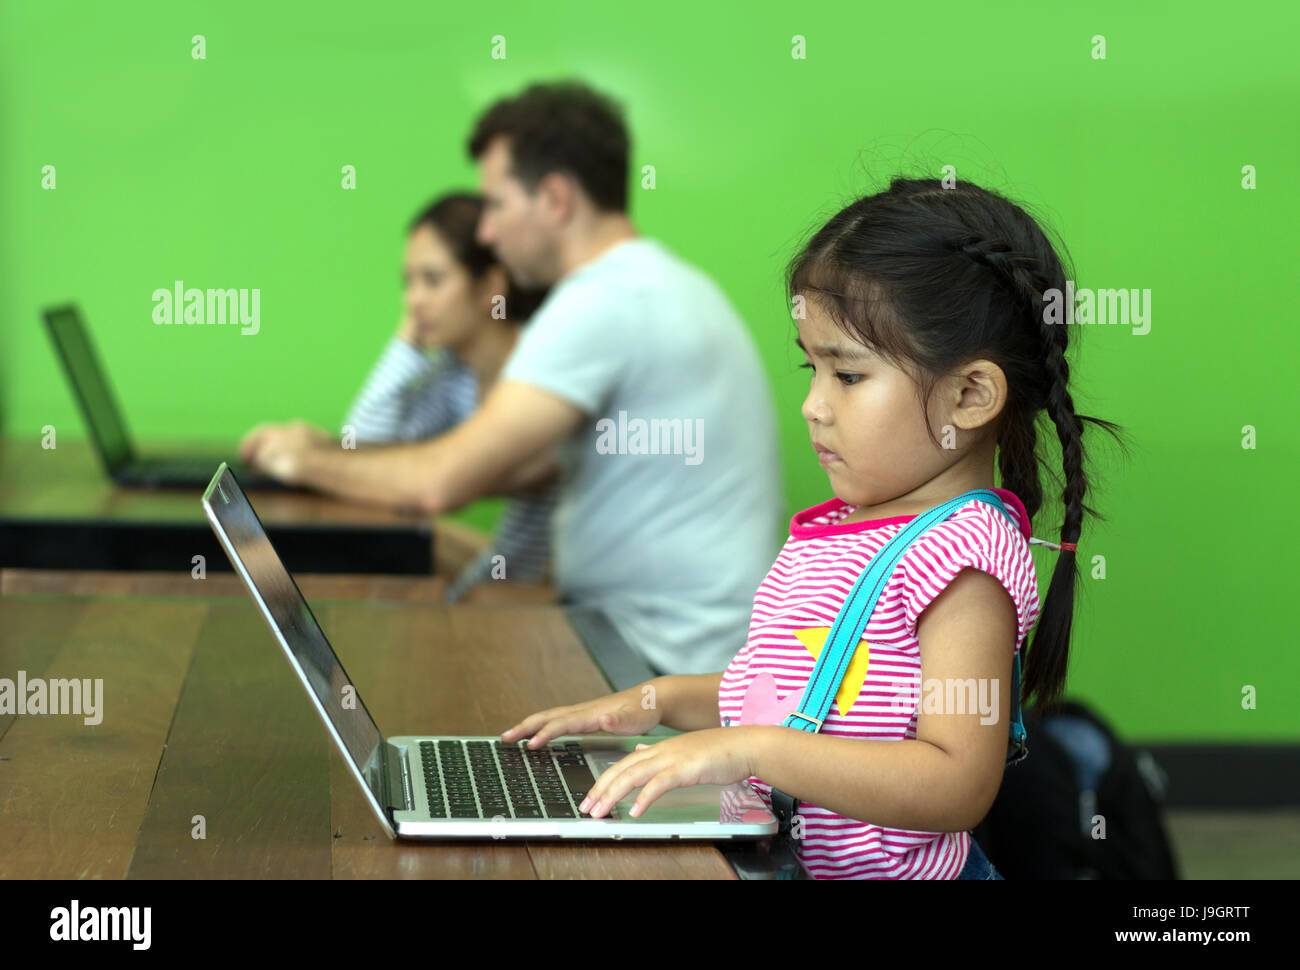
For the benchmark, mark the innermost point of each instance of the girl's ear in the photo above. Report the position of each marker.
(978, 393)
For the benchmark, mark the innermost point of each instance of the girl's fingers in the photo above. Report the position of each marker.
(616, 781)
(528, 725)
(565, 724)
(664, 781)
(545, 725)
(550, 729)
(523, 726)
(543, 734)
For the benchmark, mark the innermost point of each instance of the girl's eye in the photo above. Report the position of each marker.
(848, 380)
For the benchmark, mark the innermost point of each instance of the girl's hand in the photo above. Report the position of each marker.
(621, 713)
(716, 756)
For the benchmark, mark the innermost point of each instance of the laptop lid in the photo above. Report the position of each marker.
(107, 429)
(295, 628)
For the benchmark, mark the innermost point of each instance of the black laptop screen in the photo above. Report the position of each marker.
(107, 428)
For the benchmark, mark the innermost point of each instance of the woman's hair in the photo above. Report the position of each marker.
(454, 218)
(933, 277)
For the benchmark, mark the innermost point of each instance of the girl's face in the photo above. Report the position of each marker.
(865, 419)
(440, 294)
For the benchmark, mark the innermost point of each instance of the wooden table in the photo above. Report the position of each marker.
(59, 510)
(202, 716)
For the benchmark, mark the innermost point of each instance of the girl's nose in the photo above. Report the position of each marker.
(816, 409)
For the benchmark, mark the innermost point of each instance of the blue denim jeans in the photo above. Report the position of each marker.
(978, 865)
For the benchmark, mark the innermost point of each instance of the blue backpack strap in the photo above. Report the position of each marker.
(1019, 746)
(846, 632)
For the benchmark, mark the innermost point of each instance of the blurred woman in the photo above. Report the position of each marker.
(462, 316)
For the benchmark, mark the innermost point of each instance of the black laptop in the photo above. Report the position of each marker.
(108, 430)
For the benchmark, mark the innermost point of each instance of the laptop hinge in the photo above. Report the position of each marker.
(397, 780)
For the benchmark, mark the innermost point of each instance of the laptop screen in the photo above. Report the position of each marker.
(284, 608)
(107, 429)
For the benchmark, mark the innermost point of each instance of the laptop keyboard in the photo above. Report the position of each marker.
(487, 779)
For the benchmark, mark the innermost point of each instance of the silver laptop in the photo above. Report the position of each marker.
(460, 787)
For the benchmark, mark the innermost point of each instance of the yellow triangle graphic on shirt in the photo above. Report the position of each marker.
(814, 639)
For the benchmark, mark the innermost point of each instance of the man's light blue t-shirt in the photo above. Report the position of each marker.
(673, 544)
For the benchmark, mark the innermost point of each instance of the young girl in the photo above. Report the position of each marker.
(920, 314)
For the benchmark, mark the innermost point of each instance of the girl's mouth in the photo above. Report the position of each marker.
(826, 456)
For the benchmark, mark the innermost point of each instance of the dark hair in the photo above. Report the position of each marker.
(935, 277)
(562, 126)
(455, 217)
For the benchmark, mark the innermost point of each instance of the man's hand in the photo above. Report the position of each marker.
(278, 449)
(511, 431)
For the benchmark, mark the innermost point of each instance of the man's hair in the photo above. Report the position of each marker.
(563, 126)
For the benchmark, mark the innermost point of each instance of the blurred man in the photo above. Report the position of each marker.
(636, 377)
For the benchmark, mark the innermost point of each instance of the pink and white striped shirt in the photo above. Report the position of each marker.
(794, 608)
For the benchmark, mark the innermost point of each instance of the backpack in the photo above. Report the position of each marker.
(1041, 823)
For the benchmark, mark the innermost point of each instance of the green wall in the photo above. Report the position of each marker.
(225, 172)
